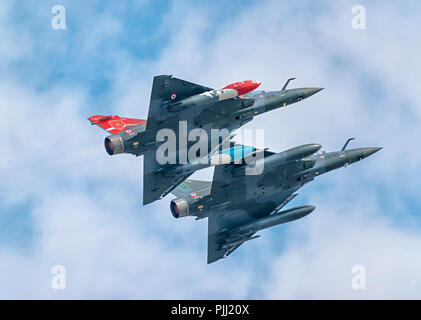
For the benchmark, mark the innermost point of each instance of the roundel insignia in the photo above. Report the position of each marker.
(129, 131)
(173, 96)
(193, 194)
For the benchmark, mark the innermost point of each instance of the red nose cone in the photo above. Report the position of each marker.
(244, 86)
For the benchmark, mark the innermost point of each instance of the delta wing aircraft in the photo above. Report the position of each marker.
(238, 205)
(182, 106)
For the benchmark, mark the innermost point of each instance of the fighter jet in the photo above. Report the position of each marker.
(174, 101)
(238, 204)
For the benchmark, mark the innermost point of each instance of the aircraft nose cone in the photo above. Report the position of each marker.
(369, 151)
(311, 91)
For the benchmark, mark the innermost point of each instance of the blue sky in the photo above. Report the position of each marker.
(64, 201)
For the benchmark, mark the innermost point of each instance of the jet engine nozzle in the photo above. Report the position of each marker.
(114, 144)
(179, 208)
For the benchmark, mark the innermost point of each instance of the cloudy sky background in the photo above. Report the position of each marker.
(64, 201)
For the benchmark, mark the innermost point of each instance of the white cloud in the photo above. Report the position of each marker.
(321, 253)
(15, 44)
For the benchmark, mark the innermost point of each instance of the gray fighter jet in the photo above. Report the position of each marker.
(238, 205)
(173, 101)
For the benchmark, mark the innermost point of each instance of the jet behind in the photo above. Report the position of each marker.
(174, 100)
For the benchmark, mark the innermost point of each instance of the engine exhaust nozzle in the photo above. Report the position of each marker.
(114, 144)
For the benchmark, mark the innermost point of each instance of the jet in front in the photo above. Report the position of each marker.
(238, 205)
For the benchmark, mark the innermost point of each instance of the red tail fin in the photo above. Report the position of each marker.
(115, 124)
